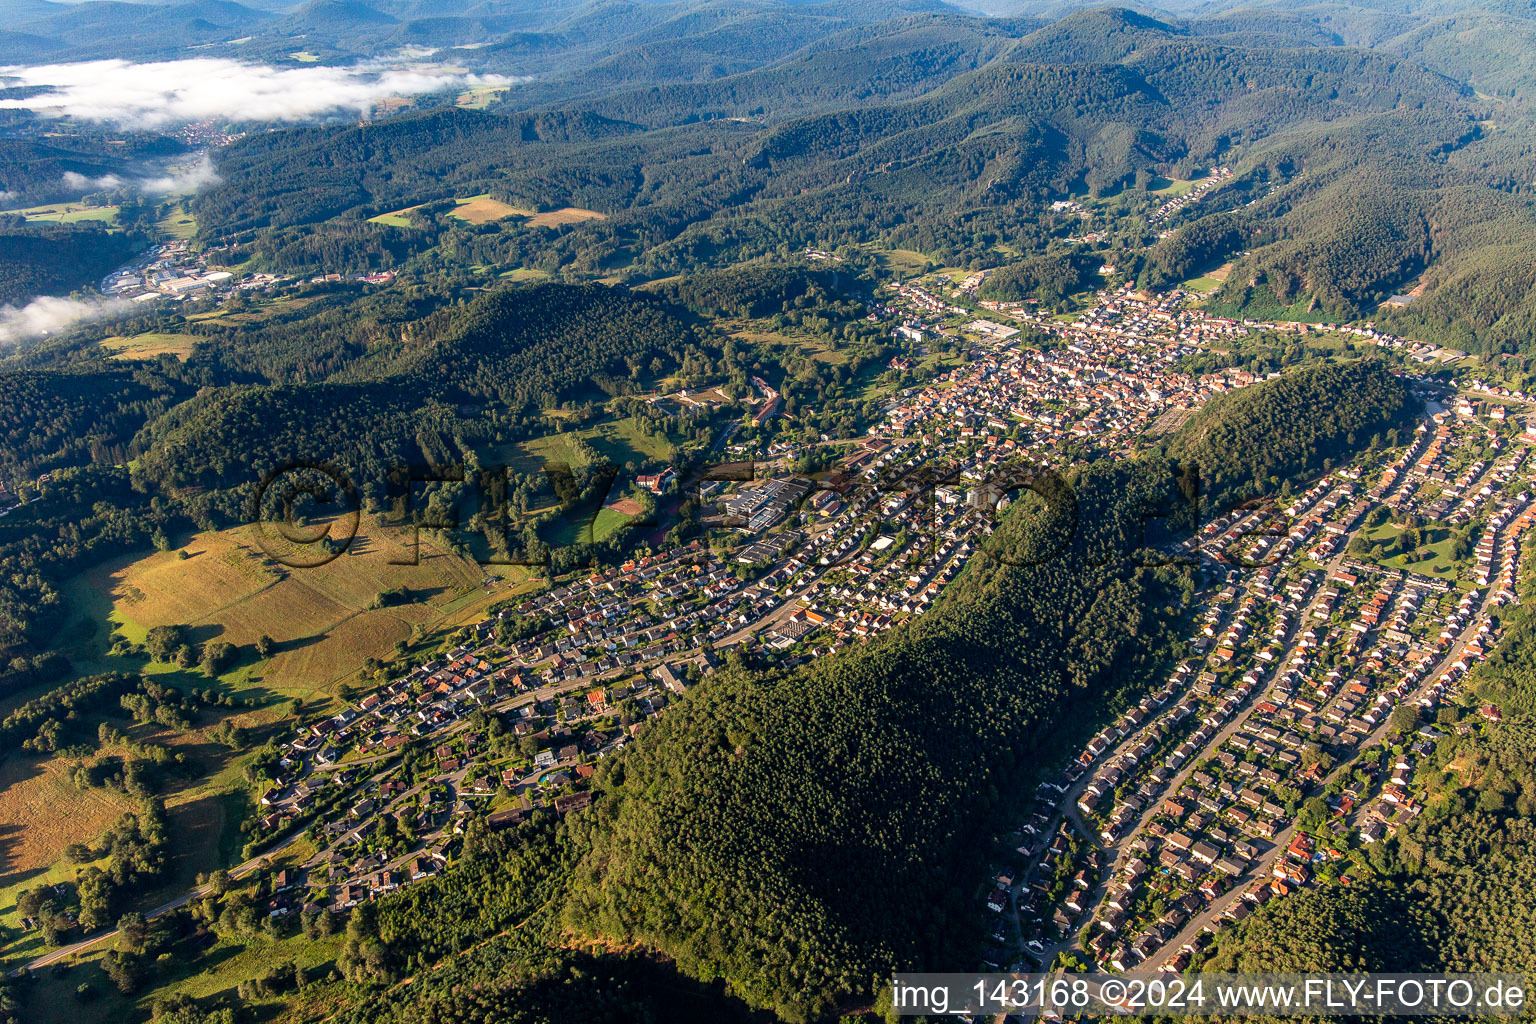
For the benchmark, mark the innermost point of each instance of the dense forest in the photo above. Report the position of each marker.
(834, 810)
(831, 810)
(49, 419)
(785, 835)
(1045, 279)
(1255, 440)
(425, 391)
(37, 260)
(750, 291)
(953, 171)
(834, 813)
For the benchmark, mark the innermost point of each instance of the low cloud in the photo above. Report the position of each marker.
(178, 92)
(181, 179)
(83, 181)
(155, 180)
(47, 315)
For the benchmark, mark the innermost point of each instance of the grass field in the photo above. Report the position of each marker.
(177, 225)
(326, 626)
(149, 346)
(394, 219)
(1172, 187)
(304, 57)
(619, 442)
(823, 350)
(32, 839)
(561, 217)
(482, 210)
(1203, 285)
(68, 213)
(903, 261)
(261, 309)
(608, 520)
(52, 1000)
(227, 588)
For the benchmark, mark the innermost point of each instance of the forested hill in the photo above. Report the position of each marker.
(802, 833)
(1254, 440)
(976, 149)
(796, 834)
(55, 260)
(421, 395)
(308, 174)
(49, 420)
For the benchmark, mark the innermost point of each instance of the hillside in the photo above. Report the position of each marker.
(836, 810)
(1252, 441)
(415, 398)
(55, 261)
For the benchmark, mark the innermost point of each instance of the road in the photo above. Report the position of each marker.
(1119, 848)
(239, 871)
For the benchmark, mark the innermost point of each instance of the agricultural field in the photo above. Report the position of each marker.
(45, 812)
(68, 213)
(177, 224)
(327, 623)
(323, 619)
(483, 210)
(480, 97)
(561, 217)
(150, 346)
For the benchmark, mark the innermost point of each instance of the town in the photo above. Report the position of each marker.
(1255, 768)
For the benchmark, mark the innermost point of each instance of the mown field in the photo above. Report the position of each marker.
(482, 209)
(150, 346)
(324, 619)
(68, 213)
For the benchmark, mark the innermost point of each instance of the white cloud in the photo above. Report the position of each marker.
(187, 91)
(184, 178)
(48, 315)
(181, 179)
(81, 181)
(6, 195)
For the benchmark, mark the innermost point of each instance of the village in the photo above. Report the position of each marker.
(1290, 745)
